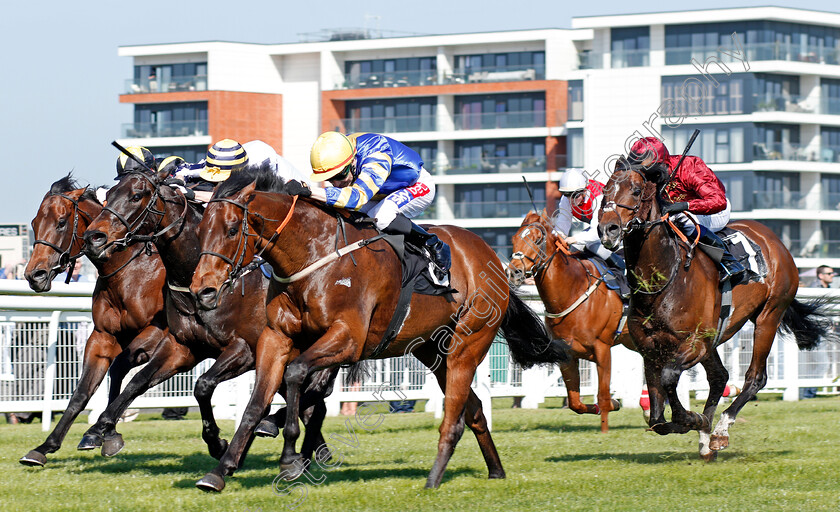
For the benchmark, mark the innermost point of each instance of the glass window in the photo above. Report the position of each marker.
(477, 67)
(517, 110)
(685, 96)
(575, 100)
(188, 76)
(190, 154)
(496, 200)
(716, 143)
(391, 115)
(390, 72)
(169, 120)
(630, 47)
(498, 156)
(575, 148)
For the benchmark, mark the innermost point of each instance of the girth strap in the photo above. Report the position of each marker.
(325, 260)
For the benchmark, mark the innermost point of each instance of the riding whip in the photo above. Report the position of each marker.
(685, 153)
(530, 194)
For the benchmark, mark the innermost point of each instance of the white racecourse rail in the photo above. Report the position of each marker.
(42, 337)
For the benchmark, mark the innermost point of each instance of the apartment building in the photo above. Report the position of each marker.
(762, 84)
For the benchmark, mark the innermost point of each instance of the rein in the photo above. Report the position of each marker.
(64, 256)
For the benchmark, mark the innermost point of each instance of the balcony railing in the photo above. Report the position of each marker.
(590, 60)
(386, 124)
(389, 79)
(783, 151)
(630, 58)
(501, 164)
(173, 84)
(785, 103)
(493, 120)
(496, 74)
(764, 200)
(168, 129)
(757, 51)
(829, 249)
(491, 209)
(830, 200)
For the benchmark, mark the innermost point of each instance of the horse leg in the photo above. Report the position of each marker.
(717, 375)
(603, 363)
(319, 386)
(169, 359)
(655, 392)
(272, 354)
(100, 350)
(571, 378)
(473, 417)
(119, 369)
(682, 419)
(234, 360)
(756, 377)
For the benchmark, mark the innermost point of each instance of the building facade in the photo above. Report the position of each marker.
(484, 110)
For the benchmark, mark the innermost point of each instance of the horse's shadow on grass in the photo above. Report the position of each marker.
(563, 428)
(162, 463)
(660, 457)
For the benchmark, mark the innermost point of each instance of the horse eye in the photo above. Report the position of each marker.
(62, 223)
(637, 192)
(136, 197)
(232, 232)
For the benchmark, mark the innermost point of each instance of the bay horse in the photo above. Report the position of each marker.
(127, 307)
(337, 313)
(143, 210)
(675, 306)
(579, 308)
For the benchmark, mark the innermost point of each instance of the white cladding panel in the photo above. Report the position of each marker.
(246, 70)
(301, 107)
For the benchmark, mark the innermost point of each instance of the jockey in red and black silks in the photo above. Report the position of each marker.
(693, 190)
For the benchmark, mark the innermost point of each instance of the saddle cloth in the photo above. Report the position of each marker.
(745, 251)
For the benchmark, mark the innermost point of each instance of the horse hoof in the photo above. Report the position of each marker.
(616, 405)
(719, 442)
(219, 450)
(267, 429)
(211, 482)
(34, 458)
(709, 457)
(112, 445)
(497, 474)
(89, 442)
(291, 471)
(661, 429)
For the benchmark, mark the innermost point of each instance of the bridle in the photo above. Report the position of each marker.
(541, 261)
(131, 235)
(64, 256)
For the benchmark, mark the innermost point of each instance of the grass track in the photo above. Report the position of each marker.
(783, 456)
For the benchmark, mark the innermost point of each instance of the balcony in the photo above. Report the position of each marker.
(501, 164)
(396, 124)
(590, 60)
(495, 74)
(630, 58)
(828, 249)
(755, 52)
(491, 209)
(167, 129)
(785, 103)
(783, 151)
(389, 79)
(496, 120)
(173, 84)
(772, 200)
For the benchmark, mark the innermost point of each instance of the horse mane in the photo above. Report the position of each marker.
(69, 184)
(263, 175)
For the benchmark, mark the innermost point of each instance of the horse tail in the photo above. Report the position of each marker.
(809, 322)
(528, 338)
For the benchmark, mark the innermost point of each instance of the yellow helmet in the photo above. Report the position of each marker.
(126, 164)
(330, 154)
(223, 158)
(171, 164)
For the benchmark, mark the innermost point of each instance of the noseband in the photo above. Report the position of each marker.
(64, 257)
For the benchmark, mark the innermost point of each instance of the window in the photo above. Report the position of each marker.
(479, 67)
(390, 72)
(520, 110)
(389, 116)
(684, 96)
(739, 187)
(499, 239)
(187, 76)
(788, 232)
(829, 144)
(169, 120)
(499, 156)
(427, 151)
(497, 200)
(777, 190)
(190, 154)
(716, 144)
(778, 142)
(575, 100)
(831, 192)
(830, 96)
(630, 47)
(575, 148)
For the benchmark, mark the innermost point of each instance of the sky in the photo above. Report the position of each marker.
(59, 95)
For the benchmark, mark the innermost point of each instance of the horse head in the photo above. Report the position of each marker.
(63, 216)
(134, 206)
(232, 229)
(629, 201)
(531, 248)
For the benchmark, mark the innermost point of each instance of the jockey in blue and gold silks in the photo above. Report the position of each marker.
(377, 176)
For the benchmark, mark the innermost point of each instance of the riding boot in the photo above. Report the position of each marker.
(439, 252)
(729, 266)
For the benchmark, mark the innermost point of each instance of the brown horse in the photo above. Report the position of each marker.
(676, 305)
(127, 305)
(143, 209)
(331, 325)
(579, 308)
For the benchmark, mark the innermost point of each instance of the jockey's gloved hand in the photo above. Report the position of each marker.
(296, 188)
(675, 208)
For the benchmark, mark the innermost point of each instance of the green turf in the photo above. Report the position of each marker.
(783, 456)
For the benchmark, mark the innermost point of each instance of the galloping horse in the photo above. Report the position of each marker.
(142, 209)
(676, 305)
(337, 310)
(127, 306)
(579, 308)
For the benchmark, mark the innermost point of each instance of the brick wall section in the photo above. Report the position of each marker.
(242, 116)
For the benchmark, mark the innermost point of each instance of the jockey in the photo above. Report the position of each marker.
(228, 156)
(694, 190)
(381, 178)
(126, 164)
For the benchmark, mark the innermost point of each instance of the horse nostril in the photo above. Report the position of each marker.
(95, 238)
(612, 230)
(38, 275)
(207, 295)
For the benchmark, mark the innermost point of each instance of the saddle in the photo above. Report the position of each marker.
(744, 250)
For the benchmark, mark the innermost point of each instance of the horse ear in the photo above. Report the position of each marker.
(247, 193)
(162, 174)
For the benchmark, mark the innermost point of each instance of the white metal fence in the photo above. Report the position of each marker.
(42, 338)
